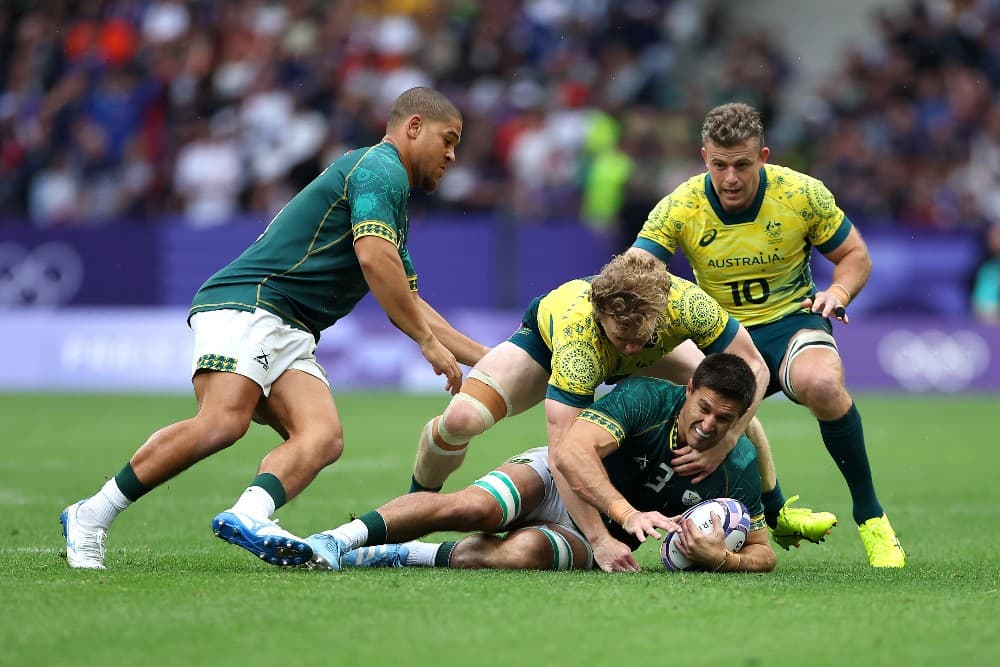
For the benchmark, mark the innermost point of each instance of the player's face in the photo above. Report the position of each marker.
(626, 341)
(706, 417)
(735, 172)
(434, 152)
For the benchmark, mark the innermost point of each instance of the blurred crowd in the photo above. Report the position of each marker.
(210, 109)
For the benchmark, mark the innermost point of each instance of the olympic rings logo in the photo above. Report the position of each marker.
(49, 275)
(933, 360)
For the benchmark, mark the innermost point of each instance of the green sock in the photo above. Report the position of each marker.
(273, 486)
(845, 440)
(130, 485)
(377, 530)
(443, 557)
(773, 501)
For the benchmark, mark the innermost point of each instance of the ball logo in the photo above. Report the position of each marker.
(48, 275)
(933, 360)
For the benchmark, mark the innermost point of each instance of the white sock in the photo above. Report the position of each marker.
(102, 508)
(422, 553)
(255, 502)
(354, 533)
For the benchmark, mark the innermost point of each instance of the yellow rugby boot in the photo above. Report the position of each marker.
(797, 523)
(881, 543)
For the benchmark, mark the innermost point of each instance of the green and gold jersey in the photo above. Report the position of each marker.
(303, 267)
(756, 262)
(641, 415)
(582, 356)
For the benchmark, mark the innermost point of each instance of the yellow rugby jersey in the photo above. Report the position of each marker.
(755, 262)
(582, 356)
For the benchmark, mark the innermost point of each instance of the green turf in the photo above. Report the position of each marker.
(175, 595)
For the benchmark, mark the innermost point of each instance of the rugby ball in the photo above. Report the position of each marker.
(735, 524)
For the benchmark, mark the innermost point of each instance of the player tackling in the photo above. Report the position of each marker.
(616, 457)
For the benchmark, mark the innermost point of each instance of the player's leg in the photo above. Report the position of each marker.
(225, 406)
(506, 381)
(300, 407)
(545, 547)
(492, 503)
(813, 374)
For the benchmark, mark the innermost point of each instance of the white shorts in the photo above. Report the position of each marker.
(257, 345)
(551, 509)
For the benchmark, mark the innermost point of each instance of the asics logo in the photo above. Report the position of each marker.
(708, 237)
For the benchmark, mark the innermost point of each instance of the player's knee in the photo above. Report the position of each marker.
(218, 431)
(324, 445)
(461, 421)
(539, 548)
(471, 510)
(481, 404)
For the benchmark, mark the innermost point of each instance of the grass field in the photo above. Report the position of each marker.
(175, 595)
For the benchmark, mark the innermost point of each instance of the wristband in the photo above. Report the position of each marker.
(620, 510)
(847, 292)
(721, 562)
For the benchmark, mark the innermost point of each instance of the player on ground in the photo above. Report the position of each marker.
(747, 228)
(616, 456)
(572, 339)
(256, 323)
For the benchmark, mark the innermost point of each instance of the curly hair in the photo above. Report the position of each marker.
(732, 124)
(633, 290)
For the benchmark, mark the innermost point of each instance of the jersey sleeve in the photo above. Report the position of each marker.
(373, 200)
(828, 226)
(577, 370)
(657, 234)
(708, 324)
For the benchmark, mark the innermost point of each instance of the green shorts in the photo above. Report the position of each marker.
(772, 340)
(529, 339)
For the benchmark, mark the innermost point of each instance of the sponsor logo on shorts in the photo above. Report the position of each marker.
(262, 359)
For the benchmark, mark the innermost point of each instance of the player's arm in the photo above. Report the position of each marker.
(709, 549)
(586, 490)
(466, 350)
(386, 277)
(689, 461)
(852, 266)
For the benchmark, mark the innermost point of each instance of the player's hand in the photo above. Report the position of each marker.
(827, 304)
(612, 555)
(689, 462)
(707, 549)
(444, 363)
(644, 524)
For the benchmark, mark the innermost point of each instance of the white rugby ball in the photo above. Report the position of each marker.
(735, 524)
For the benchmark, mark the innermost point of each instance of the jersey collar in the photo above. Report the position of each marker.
(747, 215)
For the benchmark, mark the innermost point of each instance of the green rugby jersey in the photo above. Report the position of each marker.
(641, 414)
(302, 267)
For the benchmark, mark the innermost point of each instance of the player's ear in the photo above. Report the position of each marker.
(764, 152)
(413, 126)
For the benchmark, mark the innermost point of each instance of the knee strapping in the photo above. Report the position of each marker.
(489, 403)
(801, 343)
(503, 490)
(562, 552)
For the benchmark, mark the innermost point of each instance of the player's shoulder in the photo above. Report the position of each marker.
(785, 183)
(684, 291)
(636, 388)
(684, 199)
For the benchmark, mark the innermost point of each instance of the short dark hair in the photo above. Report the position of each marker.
(727, 375)
(422, 101)
(731, 124)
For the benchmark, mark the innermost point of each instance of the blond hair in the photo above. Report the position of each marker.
(732, 124)
(633, 290)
